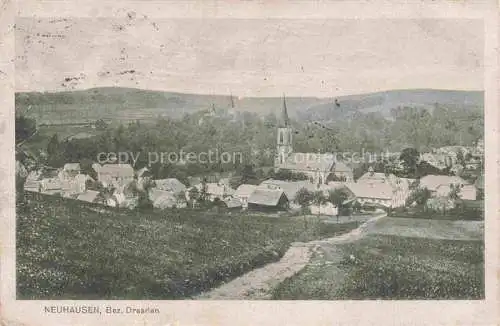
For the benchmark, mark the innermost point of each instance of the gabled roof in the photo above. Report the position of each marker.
(245, 190)
(51, 184)
(369, 177)
(289, 187)
(170, 184)
(371, 190)
(82, 178)
(74, 167)
(432, 182)
(155, 194)
(265, 197)
(88, 196)
(216, 189)
(232, 203)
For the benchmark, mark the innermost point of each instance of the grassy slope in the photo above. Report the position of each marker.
(68, 250)
(391, 267)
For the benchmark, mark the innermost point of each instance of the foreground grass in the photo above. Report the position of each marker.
(391, 267)
(72, 250)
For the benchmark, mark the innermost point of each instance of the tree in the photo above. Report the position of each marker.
(410, 159)
(248, 174)
(203, 197)
(194, 195)
(461, 158)
(420, 196)
(454, 192)
(318, 199)
(304, 198)
(337, 197)
(25, 128)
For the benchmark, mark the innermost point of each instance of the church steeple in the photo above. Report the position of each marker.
(284, 120)
(284, 141)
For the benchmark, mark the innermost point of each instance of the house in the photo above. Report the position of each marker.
(324, 209)
(170, 184)
(290, 188)
(69, 171)
(51, 186)
(166, 199)
(243, 192)
(90, 196)
(268, 200)
(468, 192)
(439, 185)
(33, 181)
(216, 190)
(378, 194)
(317, 166)
(233, 203)
(116, 175)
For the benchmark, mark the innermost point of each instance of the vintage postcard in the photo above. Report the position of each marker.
(227, 163)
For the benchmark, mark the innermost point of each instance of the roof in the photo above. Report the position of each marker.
(265, 197)
(216, 189)
(232, 203)
(119, 170)
(290, 188)
(371, 190)
(88, 196)
(71, 167)
(432, 182)
(377, 177)
(155, 194)
(82, 178)
(170, 184)
(52, 184)
(245, 190)
(164, 202)
(309, 162)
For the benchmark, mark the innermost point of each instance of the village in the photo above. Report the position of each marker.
(326, 186)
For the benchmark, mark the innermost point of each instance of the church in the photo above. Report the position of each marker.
(317, 166)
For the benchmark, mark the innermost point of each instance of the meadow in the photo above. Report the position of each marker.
(391, 267)
(72, 250)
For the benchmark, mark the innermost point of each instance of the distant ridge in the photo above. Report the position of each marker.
(114, 103)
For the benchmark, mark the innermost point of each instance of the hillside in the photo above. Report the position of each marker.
(130, 104)
(73, 250)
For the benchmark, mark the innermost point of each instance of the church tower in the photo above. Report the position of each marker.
(284, 140)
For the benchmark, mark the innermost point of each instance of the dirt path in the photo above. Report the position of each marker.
(256, 284)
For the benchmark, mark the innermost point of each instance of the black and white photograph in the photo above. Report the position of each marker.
(249, 159)
(240, 164)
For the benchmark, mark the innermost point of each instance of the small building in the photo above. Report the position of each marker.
(216, 190)
(170, 184)
(468, 192)
(69, 171)
(440, 185)
(117, 175)
(51, 186)
(324, 209)
(166, 199)
(268, 200)
(243, 192)
(233, 203)
(380, 194)
(90, 196)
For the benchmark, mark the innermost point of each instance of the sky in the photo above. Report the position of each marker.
(249, 57)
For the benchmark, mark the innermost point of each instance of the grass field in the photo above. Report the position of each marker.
(391, 267)
(72, 250)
